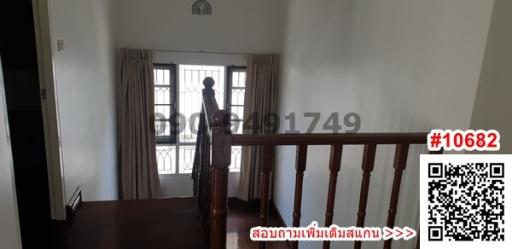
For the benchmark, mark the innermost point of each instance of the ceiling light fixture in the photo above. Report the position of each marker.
(201, 7)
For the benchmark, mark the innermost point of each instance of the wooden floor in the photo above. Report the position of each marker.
(156, 224)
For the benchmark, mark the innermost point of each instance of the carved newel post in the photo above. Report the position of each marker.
(220, 141)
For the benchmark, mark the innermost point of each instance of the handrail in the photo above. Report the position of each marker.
(329, 139)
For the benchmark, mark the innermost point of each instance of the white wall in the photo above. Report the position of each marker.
(235, 26)
(84, 76)
(403, 65)
(495, 86)
(9, 225)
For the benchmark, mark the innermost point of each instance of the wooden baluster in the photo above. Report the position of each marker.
(300, 167)
(401, 153)
(334, 168)
(367, 167)
(220, 160)
(266, 169)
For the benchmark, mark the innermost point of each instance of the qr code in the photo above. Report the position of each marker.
(463, 199)
(466, 202)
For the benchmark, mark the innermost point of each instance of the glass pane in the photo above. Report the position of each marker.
(236, 127)
(185, 75)
(241, 79)
(162, 76)
(238, 111)
(195, 76)
(190, 94)
(236, 158)
(166, 159)
(237, 96)
(162, 128)
(186, 158)
(159, 74)
(162, 95)
(162, 112)
(167, 77)
(234, 78)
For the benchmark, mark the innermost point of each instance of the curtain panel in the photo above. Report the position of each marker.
(137, 152)
(260, 102)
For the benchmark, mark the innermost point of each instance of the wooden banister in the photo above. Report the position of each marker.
(401, 152)
(265, 170)
(213, 157)
(218, 128)
(334, 168)
(367, 167)
(220, 161)
(302, 151)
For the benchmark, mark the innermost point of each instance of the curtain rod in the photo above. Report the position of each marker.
(197, 52)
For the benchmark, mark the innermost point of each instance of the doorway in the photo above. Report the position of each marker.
(20, 68)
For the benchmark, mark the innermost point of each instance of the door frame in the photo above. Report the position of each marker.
(49, 106)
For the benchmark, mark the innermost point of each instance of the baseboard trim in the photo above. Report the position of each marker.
(273, 210)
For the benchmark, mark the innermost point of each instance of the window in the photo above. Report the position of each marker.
(190, 98)
(178, 98)
(235, 104)
(165, 108)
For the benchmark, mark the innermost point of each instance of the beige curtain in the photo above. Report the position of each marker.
(137, 156)
(260, 99)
